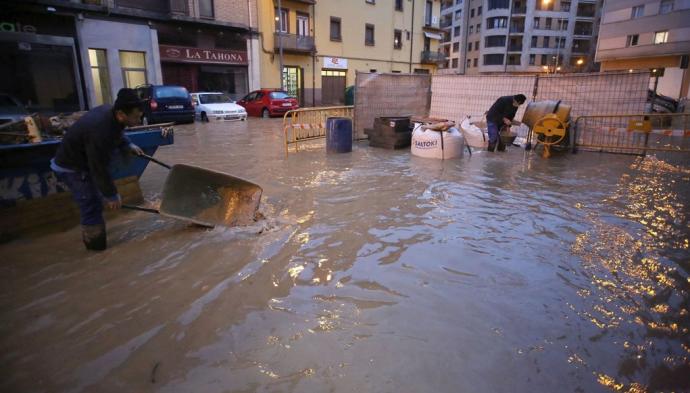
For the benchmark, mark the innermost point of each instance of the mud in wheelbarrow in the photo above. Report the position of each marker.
(207, 197)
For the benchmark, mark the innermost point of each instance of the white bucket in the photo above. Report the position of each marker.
(428, 143)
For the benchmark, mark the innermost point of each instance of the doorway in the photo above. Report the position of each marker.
(333, 87)
(293, 82)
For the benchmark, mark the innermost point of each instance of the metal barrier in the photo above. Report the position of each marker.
(306, 124)
(632, 133)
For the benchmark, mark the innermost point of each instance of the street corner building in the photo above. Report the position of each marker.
(73, 55)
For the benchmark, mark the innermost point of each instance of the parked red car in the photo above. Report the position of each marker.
(268, 102)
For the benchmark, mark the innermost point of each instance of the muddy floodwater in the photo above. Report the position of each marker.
(373, 271)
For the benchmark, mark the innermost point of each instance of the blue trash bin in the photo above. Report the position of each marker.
(338, 135)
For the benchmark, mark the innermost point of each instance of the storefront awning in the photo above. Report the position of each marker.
(433, 36)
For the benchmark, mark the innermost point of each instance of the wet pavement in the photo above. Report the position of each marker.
(374, 272)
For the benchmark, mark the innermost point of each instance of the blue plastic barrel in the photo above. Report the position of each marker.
(338, 135)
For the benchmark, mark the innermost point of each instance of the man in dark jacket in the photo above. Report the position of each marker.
(83, 158)
(502, 113)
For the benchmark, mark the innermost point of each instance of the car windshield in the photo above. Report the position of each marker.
(279, 95)
(171, 92)
(6, 101)
(214, 99)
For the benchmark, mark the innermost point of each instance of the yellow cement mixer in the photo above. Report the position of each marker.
(550, 121)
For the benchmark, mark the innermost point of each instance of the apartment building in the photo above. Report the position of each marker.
(521, 36)
(643, 35)
(67, 55)
(325, 42)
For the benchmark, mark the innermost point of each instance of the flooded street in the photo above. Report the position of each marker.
(373, 271)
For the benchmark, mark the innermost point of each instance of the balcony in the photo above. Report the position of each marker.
(583, 29)
(581, 46)
(517, 28)
(429, 57)
(514, 60)
(433, 27)
(300, 44)
(519, 11)
(515, 48)
(585, 10)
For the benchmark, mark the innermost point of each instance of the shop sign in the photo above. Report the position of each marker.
(335, 62)
(16, 27)
(200, 55)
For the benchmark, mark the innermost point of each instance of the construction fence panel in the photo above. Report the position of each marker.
(613, 93)
(633, 133)
(304, 124)
(381, 95)
(455, 97)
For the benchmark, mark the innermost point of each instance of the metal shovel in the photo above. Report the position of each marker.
(206, 197)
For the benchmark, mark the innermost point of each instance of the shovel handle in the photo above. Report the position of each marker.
(155, 160)
(142, 209)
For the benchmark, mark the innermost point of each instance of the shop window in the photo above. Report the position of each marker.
(133, 66)
(100, 76)
(335, 29)
(206, 8)
(369, 34)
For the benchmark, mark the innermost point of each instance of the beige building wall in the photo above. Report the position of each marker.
(615, 51)
(354, 15)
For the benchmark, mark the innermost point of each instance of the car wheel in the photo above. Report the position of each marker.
(265, 113)
(204, 118)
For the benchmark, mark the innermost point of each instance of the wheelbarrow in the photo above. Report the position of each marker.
(205, 197)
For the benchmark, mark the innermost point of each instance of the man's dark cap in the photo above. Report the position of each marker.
(128, 99)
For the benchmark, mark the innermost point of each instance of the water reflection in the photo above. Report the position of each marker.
(637, 262)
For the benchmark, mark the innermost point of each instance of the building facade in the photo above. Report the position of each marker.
(77, 54)
(521, 36)
(643, 35)
(325, 42)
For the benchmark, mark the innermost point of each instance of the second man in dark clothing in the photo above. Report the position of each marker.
(502, 113)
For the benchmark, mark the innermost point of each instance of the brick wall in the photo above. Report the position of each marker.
(236, 11)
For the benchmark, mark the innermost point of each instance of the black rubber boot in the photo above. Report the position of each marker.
(94, 237)
(501, 145)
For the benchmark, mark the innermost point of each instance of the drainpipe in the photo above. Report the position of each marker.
(313, 59)
(280, 43)
(251, 46)
(411, 37)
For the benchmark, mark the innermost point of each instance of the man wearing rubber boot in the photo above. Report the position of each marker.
(83, 158)
(501, 114)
